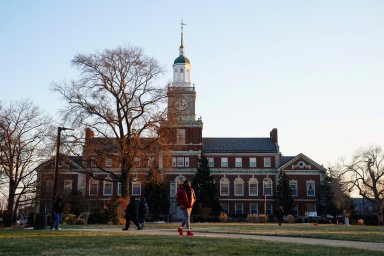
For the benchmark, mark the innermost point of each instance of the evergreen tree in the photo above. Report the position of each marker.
(156, 196)
(205, 189)
(284, 193)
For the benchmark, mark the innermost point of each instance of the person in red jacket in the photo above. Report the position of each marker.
(186, 198)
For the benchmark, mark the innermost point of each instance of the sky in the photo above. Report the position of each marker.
(311, 69)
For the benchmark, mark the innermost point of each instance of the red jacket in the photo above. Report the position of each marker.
(182, 198)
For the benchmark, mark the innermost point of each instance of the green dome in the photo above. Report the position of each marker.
(181, 60)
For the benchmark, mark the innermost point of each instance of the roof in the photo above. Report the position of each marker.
(239, 145)
(181, 60)
(285, 159)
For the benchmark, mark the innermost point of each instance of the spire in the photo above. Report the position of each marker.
(182, 37)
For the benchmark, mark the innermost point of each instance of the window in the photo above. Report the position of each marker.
(108, 162)
(108, 187)
(49, 186)
(225, 207)
(293, 186)
(239, 186)
(119, 188)
(224, 162)
(252, 162)
(253, 187)
(239, 208)
(269, 209)
(180, 136)
(267, 186)
(311, 207)
(224, 187)
(267, 162)
(67, 186)
(93, 187)
(186, 161)
(211, 162)
(136, 187)
(172, 189)
(93, 162)
(238, 162)
(295, 210)
(253, 208)
(180, 161)
(174, 162)
(310, 188)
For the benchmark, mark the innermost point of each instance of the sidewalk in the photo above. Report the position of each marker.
(298, 240)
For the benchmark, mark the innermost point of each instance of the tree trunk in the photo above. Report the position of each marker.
(380, 215)
(9, 220)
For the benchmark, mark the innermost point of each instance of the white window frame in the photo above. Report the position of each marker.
(108, 187)
(186, 161)
(253, 208)
(108, 162)
(269, 208)
(225, 207)
(252, 162)
(224, 162)
(172, 189)
(211, 162)
(238, 185)
(180, 137)
(224, 186)
(253, 182)
(180, 161)
(174, 161)
(93, 182)
(238, 162)
(266, 181)
(293, 186)
(68, 186)
(267, 161)
(308, 183)
(119, 188)
(239, 208)
(136, 187)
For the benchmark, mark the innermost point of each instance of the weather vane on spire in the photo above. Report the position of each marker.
(182, 39)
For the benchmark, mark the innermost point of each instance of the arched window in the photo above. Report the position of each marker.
(253, 186)
(224, 186)
(107, 186)
(136, 187)
(267, 186)
(239, 186)
(182, 74)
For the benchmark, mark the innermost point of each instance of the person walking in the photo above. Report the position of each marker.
(143, 210)
(58, 211)
(186, 198)
(280, 214)
(131, 214)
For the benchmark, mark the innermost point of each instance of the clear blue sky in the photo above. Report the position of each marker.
(312, 69)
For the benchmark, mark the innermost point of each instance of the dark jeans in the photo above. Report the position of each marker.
(128, 220)
(141, 219)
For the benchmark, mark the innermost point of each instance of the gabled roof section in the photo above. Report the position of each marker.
(239, 145)
(296, 158)
(72, 161)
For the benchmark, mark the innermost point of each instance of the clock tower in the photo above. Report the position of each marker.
(181, 101)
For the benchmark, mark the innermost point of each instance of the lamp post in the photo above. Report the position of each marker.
(55, 171)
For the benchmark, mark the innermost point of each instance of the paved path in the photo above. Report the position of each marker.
(284, 239)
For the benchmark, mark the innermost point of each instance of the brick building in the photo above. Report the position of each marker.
(246, 170)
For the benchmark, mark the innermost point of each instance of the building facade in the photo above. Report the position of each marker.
(245, 170)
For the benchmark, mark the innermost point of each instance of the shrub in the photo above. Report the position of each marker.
(290, 218)
(223, 217)
(80, 222)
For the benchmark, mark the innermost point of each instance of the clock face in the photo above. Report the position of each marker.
(181, 104)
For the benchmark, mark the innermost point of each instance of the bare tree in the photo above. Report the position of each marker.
(115, 96)
(24, 131)
(366, 173)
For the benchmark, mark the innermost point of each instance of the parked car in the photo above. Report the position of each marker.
(317, 219)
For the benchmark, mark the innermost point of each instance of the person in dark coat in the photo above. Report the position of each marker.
(131, 214)
(143, 210)
(58, 211)
(280, 214)
(186, 198)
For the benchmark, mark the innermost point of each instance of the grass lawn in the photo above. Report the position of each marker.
(69, 242)
(64, 242)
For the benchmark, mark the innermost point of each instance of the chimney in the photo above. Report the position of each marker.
(273, 136)
(88, 134)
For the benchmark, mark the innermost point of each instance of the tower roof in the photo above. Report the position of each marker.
(181, 60)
